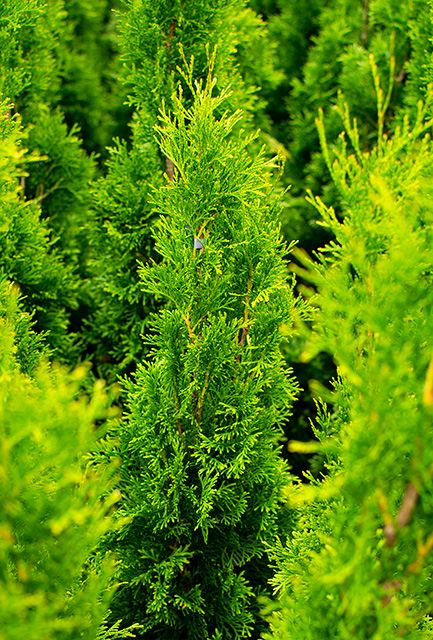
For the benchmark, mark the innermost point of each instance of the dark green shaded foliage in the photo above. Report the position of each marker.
(33, 35)
(91, 95)
(28, 256)
(291, 26)
(201, 471)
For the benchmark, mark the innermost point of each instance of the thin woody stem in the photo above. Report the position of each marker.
(409, 503)
(365, 21)
(191, 333)
(404, 514)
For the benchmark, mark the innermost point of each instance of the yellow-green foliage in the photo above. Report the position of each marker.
(368, 573)
(52, 512)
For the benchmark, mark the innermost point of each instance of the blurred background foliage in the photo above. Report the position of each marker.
(340, 93)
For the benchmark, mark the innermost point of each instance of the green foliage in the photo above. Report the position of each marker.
(420, 65)
(28, 256)
(120, 309)
(291, 27)
(51, 494)
(28, 346)
(201, 472)
(173, 264)
(326, 49)
(90, 97)
(58, 52)
(29, 45)
(60, 180)
(32, 36)
(157, 37)
(367, 572)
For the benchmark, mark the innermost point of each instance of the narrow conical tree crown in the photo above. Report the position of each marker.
(201, 473)
(30, 78)
(28, 257)
(35, 37)
(365, 570)
(157, 37)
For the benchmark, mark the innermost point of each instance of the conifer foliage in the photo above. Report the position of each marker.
(32, 36)
(325, 49)
(52, 513)
(365, 571)
(161, 259)
(201, 473)
(28, 257)
(157, 38)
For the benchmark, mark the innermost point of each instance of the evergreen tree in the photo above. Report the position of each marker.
(52, 512)
(420, 66)
(157, 38)
(363, 568)
(324, 49)
(28, 256)
(201, 474)
(32, 37)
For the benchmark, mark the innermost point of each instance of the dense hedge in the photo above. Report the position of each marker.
(208, 432)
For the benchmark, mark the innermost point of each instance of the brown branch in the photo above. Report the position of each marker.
(404, 514)
(402, 75)
(390, 534)
(169, 168)
(410, 499)
(170, 34)
(391, 587)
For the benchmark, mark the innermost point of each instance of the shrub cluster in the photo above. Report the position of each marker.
(216, 369)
